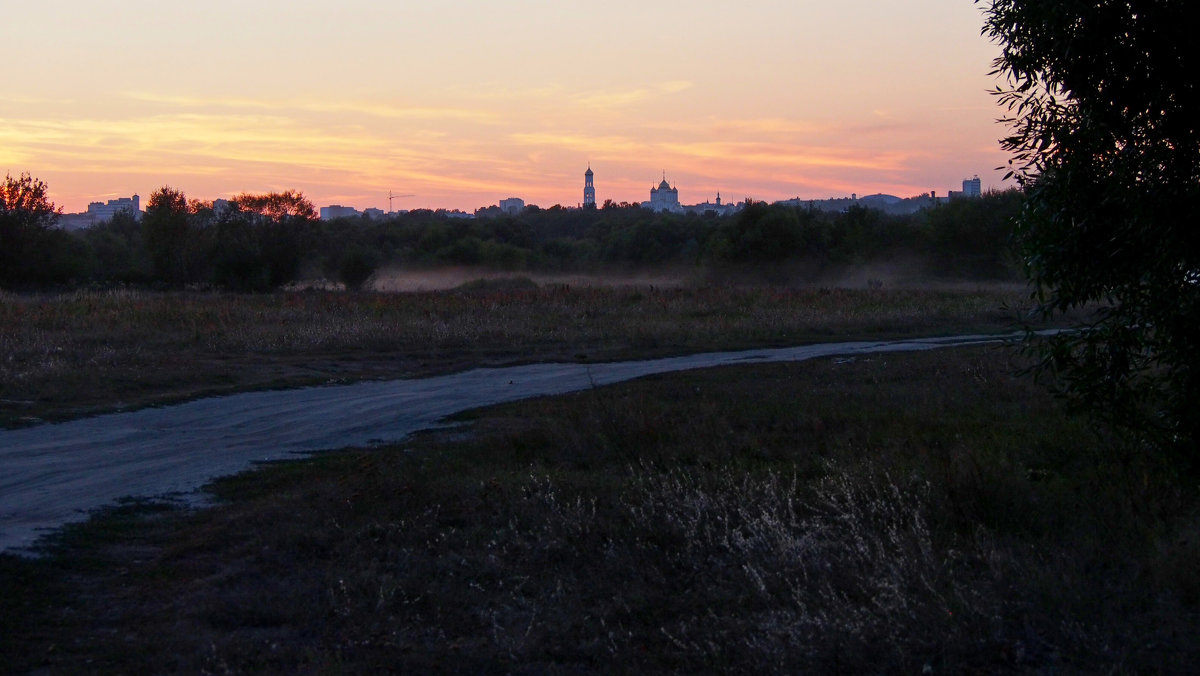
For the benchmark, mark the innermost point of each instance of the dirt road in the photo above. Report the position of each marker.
(54, 474)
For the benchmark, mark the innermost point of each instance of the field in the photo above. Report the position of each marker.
(73, 354)
(898, 513)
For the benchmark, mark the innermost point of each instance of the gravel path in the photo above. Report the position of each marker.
(55, 473)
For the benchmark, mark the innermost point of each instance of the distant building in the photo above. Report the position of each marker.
(971, 188)
(512, 206)
(338, 211)
(373, 213)
(878, 201)
(101, 212)
(664, 198)
(717, 208)
(104, 211)
(589, 190)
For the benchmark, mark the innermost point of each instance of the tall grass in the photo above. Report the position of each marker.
(904, 513)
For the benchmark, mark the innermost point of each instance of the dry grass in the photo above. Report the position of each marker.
(72, 354)
(903, 513)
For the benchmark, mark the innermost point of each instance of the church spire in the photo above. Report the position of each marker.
(589, 190)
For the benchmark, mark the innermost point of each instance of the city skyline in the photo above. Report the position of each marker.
(971, 187)
(463, 103)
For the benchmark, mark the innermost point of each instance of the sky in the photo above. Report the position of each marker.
(459, 104)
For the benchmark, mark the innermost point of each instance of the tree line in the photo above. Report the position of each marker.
(258, 242)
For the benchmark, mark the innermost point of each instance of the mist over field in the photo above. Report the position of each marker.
(396, 279)
(906, 275)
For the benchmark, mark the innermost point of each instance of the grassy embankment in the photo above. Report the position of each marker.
(73, 354)
(880, 515)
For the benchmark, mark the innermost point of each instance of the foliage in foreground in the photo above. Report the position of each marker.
(1105, 105)
(885, 515)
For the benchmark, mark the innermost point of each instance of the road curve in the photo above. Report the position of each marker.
(55, 473)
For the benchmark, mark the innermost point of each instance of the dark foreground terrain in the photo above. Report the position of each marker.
(886, 514)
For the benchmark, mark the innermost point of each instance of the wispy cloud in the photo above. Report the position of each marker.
(374, 109)
(596, 145)
(686, 153)
(404, 112)
(611, 99)
(627, 97)
(182, 101)
(676, 86)
(462, 146)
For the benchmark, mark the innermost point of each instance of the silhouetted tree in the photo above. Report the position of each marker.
(118, 250)
(261, 241)
(761, 232)
(25, 214)
(237, 258)
(1105, 112)
(25, 201)
(973, 237)
(165, 229)
(32, 250)
(278, 206)
(355, 268)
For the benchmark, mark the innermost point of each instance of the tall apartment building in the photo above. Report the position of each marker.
(104, 211)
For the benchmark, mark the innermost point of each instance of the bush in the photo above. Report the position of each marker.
(355, 268)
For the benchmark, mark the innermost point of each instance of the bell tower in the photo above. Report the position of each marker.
(589, 191)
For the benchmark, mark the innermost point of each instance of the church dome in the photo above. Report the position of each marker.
(664, 185)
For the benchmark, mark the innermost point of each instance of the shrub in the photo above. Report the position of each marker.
(355, 268)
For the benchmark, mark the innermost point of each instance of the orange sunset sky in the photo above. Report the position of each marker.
(461, 104)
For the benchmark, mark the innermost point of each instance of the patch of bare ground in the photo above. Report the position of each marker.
(917, 512)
